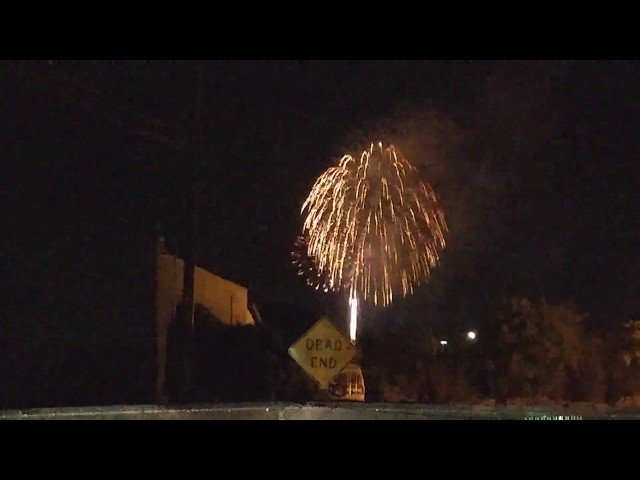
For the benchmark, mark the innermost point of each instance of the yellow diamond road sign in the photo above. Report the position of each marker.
(322, 352)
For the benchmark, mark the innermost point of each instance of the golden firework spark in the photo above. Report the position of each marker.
(373, 227)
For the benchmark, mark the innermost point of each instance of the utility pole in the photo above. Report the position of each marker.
(188, 292)
(191, 231)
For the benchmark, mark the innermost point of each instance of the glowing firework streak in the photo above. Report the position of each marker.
(373, 227)
(353, 320)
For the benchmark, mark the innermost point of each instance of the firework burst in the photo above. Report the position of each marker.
(307, 266)
(373, 227)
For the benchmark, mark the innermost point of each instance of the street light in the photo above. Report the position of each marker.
(471, 335)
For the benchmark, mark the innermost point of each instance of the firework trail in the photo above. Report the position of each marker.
(353, 318)
(373, 227)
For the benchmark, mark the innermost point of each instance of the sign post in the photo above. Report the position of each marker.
(322, 352)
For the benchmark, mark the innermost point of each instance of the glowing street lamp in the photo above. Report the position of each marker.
(471, 335)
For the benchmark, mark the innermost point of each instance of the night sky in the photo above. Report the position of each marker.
(536, 165)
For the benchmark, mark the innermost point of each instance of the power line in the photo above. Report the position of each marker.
(95, 101)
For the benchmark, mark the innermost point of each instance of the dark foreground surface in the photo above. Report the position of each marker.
(316, 411)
